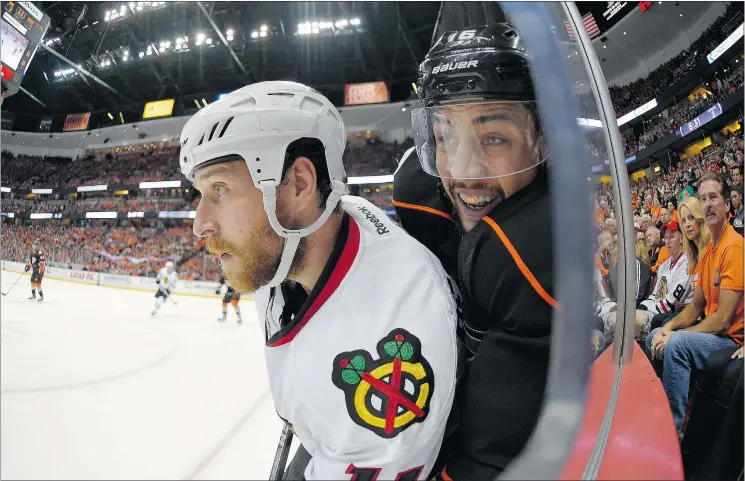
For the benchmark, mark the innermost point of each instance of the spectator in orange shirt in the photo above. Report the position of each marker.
(682, 343)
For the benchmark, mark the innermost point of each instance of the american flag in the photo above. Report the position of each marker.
(590, 26)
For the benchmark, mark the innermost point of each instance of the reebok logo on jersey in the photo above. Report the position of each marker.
(391, 393)
(382, 229)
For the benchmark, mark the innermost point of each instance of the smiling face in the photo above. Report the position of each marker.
(231, 217)
(485, 152)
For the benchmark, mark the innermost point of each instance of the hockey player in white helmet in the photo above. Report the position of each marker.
(166, 279)
(359, 319)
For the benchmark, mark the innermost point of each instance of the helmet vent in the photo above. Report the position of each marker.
(225, 127)
(281, 94)
(311, 105)
(509, 33)
(248, 102)
(333, 116)
(201, 141)
(212, 132)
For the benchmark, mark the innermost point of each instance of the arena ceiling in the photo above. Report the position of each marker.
(162, 50)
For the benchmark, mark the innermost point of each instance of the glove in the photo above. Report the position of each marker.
(157, 281)
(28, 268)
(217, 291)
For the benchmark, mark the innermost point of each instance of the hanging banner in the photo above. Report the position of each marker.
(366, 93)
(76, 122)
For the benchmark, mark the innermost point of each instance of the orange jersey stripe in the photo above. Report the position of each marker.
(521, 264)
(422, 208)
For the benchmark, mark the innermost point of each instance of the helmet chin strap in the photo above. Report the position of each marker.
(293, 236)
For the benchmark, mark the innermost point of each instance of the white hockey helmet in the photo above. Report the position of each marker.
(170, 266)
(257, 123)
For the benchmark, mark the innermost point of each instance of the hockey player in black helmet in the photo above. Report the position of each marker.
(481, 150)
(36, 265)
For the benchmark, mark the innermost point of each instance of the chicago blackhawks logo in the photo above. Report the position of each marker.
(388, 395)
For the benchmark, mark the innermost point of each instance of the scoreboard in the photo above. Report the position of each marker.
(22, 25)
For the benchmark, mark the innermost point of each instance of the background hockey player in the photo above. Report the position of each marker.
(231, 297)
(359, 318)
(36, 266)
(479, 132)
(166, 279)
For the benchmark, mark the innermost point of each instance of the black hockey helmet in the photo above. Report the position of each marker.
(473, 80)
(483, 62)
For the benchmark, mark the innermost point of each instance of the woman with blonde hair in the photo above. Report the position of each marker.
(696, 235)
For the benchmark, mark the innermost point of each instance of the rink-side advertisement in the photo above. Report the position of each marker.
(187, 287)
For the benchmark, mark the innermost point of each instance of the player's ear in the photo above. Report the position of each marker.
(301, 185)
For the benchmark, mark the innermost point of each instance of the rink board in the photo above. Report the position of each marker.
(137, 283)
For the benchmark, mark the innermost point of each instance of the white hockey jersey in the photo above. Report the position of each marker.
(167, 280)
(364, 368)
(673, 286)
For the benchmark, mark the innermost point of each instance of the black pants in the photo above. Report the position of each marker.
(713, 442)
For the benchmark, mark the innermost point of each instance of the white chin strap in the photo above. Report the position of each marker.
(292, 237)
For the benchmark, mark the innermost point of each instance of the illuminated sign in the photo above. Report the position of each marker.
(366, 93)
(637, 112)
(76, 122)
(158, 108)
(728, 42)
(100, 215)
(166, 184)
(92, 188)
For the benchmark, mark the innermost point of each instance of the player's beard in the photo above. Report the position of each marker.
(258, 257)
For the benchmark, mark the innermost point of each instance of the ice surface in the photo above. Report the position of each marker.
(93, 387)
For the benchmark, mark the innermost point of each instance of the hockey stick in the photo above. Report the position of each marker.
(14, 284)
(283, 452)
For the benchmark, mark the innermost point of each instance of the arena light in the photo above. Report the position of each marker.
(208, 41)
(254, 34)
(355, 21)
(41, 191)
(142, 54)
(371, 179)
(167, 184)
(262, 34)
(229, 32)
(4, 189)
(101, 215)
(92, 188)
(111, 117)
(39, 215)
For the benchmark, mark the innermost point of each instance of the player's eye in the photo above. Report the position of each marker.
(219, 189)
